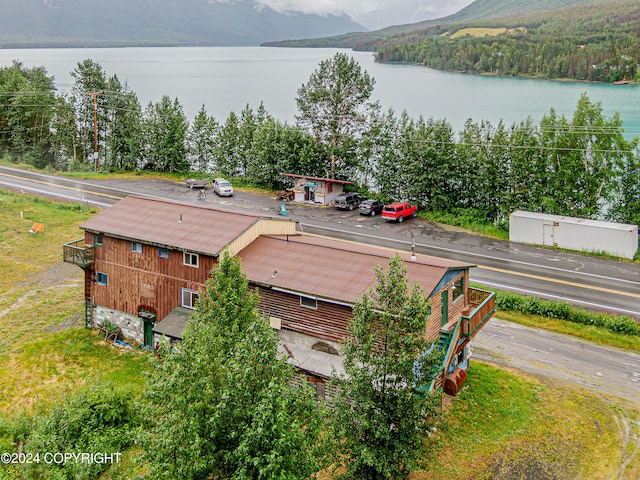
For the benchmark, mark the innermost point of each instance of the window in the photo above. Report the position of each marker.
(191, 259)
(189, 298)
(309, 302)
(97, 239)
(458, 289)
(102, 279)
(163, 252)
(136, 247)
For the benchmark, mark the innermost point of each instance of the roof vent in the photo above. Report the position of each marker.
(275, 274)
(180, 221)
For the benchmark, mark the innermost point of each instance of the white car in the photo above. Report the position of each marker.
(222, 187)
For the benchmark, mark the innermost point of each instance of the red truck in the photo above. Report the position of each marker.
(399, 211)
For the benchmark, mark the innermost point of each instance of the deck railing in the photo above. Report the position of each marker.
(78, 253)
(483, 304)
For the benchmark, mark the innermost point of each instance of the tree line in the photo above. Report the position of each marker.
(579, 166)
(596, 42)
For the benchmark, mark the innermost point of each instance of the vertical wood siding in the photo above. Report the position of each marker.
(145, 281)
(454, 311)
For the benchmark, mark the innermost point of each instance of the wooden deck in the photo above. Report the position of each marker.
(78, 253)
(481, 310)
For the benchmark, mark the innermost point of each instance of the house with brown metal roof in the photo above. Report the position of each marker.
(143, 257)
(146, 260)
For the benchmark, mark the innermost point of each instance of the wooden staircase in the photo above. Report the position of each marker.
(83, 256)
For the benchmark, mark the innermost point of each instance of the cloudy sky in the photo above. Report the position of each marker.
(373, 14)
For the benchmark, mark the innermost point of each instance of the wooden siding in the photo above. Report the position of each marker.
(263, 226)
(144, 281)
(454, 311)
(329, 321)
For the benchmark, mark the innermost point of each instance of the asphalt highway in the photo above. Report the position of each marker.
(594, 283)
(607, 285)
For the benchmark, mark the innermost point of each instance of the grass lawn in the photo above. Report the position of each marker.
(502, 425)
(44, 349)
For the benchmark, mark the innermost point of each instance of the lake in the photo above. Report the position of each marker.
(226, 79)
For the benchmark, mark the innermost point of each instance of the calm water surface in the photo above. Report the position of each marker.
(226, 79)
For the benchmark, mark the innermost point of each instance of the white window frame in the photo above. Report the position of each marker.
(459, 282)
(192, 295)
(190, 256)
(136, 247)
(102, 279)
(313, 306)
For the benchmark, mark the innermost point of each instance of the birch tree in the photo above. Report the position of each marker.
(333, 106)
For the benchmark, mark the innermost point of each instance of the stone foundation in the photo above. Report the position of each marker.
(131, 326)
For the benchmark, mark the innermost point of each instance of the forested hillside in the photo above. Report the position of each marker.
(597, 42)
(477, 11)
(593, 40)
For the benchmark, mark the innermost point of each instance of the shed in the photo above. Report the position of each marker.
(573, 233)
(316, 190)
(172, 325)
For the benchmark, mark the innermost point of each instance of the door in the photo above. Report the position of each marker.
(547, 234)
(148, 320)
(310, 191)
(445, 306)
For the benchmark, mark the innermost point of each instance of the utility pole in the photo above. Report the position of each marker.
(95, 127)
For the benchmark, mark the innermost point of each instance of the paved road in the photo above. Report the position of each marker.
(614, 286)
(548, 354)
(594, 283)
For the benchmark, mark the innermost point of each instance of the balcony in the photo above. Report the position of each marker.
(79, 254)
(480, 311)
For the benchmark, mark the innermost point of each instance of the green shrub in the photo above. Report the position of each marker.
(99, 418)
(529, 305)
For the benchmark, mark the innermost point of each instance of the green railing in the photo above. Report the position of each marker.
(483, 303)
(448, 356)
(78, 253)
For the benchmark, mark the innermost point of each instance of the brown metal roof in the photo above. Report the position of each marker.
(187, 226)
(332, 269)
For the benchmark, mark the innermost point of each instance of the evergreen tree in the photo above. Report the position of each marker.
(222, 405)
(201, 141)
(227, 154)
(26, 113)
(90, 82)
(626, 207)
(379, 418)
(278, 148)
(123, 142)
(165, 129)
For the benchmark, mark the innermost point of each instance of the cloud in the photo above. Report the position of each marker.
(372, 14)
(356, 8)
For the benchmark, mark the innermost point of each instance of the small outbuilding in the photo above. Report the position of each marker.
(582, 234)
(316, 190)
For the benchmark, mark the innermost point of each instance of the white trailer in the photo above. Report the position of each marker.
(581, 234)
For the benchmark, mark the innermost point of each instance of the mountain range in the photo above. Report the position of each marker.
(96, 23)
(478, 11)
